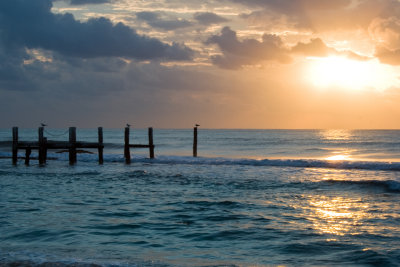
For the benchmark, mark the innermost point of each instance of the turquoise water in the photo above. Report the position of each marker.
(254, 197)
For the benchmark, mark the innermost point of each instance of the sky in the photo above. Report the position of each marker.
(265, 64)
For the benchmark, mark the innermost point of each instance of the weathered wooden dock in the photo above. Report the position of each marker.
(73, 145)
(43, 145)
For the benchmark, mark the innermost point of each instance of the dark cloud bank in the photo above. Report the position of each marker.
(80, 55)
(32, 24)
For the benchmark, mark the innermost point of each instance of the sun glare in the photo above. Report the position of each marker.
(346, 73)
(338, 157)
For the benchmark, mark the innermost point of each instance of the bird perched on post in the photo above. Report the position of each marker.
(43, 125)
(197, 125)
(128, 125)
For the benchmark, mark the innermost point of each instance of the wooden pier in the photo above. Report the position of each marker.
(43, 145)
(72, 146)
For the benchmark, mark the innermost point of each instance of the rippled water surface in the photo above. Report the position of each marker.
(180, 211)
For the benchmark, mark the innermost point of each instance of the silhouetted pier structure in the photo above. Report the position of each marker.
(72, 146)
(43, 145)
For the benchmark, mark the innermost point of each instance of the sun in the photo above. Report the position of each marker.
(342, 72)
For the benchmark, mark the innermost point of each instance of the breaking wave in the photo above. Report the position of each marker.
(299, 163)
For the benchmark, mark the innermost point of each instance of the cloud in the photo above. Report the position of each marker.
(317, 48)
(295, 13)
(236, 53)
(247, 52)
(386, 32)
(387, 56)
(155, 20)
(13, 75)
(31, 24)
(209, 18)
(293, 7)
(85, 2)
(318, 15)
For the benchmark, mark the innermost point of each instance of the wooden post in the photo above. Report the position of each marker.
(27, 155)
(151, 144)
(15, 145)
(72, 145)
(195, 142)
(44, 150)
(127, 153)
(100, 139)
(41, 146)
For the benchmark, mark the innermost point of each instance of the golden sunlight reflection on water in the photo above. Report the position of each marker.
(337, 215)
(336, 134)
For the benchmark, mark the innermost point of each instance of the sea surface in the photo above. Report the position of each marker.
(251, 198)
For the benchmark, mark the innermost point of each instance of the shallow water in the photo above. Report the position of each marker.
(235, 210)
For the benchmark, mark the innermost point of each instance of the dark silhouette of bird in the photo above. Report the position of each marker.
(128, 125)
(197, 125)
(42, 124)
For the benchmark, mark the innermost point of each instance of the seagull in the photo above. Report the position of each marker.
(128, 125)
(42, 124)
(197, 125)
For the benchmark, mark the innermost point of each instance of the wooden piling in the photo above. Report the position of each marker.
(195, 142)
(15, 145)
(42, 145)
(72, 145)
(28, 151)
(45, 149)
(151, 144)
(127, 153)
(101, 146)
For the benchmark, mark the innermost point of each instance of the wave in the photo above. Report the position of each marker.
(300, 163)
(385, 185)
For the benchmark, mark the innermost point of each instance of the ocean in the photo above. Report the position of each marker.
(251, 198)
